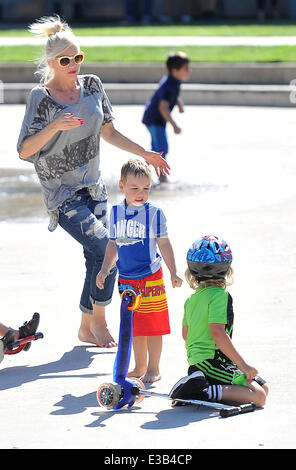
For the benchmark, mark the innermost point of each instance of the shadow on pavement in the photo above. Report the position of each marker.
(76, 359)
(165, 419)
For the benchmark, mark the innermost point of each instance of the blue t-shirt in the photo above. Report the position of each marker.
(135, 230)
(168, 90)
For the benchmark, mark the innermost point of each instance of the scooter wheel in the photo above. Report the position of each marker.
(140, 385)
(108, 395)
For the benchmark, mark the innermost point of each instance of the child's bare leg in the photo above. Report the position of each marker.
(154, 350)
(238, 394)
(140, 353)
(93, 328)
(4, 329)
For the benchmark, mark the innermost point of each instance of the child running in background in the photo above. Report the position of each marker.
(158, 109)
(137, 228)
(217, 371)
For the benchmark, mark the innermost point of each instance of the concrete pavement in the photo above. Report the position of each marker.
(237, 167)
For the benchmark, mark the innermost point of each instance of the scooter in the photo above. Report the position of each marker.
(129, 391)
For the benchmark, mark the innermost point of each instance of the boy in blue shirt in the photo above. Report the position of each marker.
(137, 230)
(158, 109)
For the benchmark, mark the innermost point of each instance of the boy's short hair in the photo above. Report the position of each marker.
(176, 60)
(135, 167)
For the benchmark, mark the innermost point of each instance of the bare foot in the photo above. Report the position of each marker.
(86, 336)
(136, 373)
(93, 329)
(151, 376)
(101, 337)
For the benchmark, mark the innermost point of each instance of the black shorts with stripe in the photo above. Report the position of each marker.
(221, 371)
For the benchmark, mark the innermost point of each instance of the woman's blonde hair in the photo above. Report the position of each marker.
(221, 282)
(59, 37)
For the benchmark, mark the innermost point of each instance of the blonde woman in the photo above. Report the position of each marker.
(65, 117)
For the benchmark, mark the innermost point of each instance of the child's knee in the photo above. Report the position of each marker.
(260, 396)
(265, 388)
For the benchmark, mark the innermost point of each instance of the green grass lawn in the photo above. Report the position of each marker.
(158, 54)
(272, 28)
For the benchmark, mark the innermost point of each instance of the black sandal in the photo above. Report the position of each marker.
(29, 328)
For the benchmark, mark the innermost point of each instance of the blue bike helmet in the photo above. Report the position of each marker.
(209, 257)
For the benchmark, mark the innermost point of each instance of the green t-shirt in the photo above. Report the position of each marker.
(207, 305)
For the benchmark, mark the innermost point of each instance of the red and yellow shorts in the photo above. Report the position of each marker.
(152, 317)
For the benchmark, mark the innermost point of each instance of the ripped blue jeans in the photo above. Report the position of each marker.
(85, 220)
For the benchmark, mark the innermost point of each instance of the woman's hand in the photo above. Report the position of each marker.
(67, 122)
(158, 162)
(35, 142)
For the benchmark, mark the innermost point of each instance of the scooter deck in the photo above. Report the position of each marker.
(225, 410)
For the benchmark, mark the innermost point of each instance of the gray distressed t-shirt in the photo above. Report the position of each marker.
(71, 159)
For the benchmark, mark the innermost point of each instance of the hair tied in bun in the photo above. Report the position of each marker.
(48, 26)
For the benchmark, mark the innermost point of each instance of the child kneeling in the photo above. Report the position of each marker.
(217, 372)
